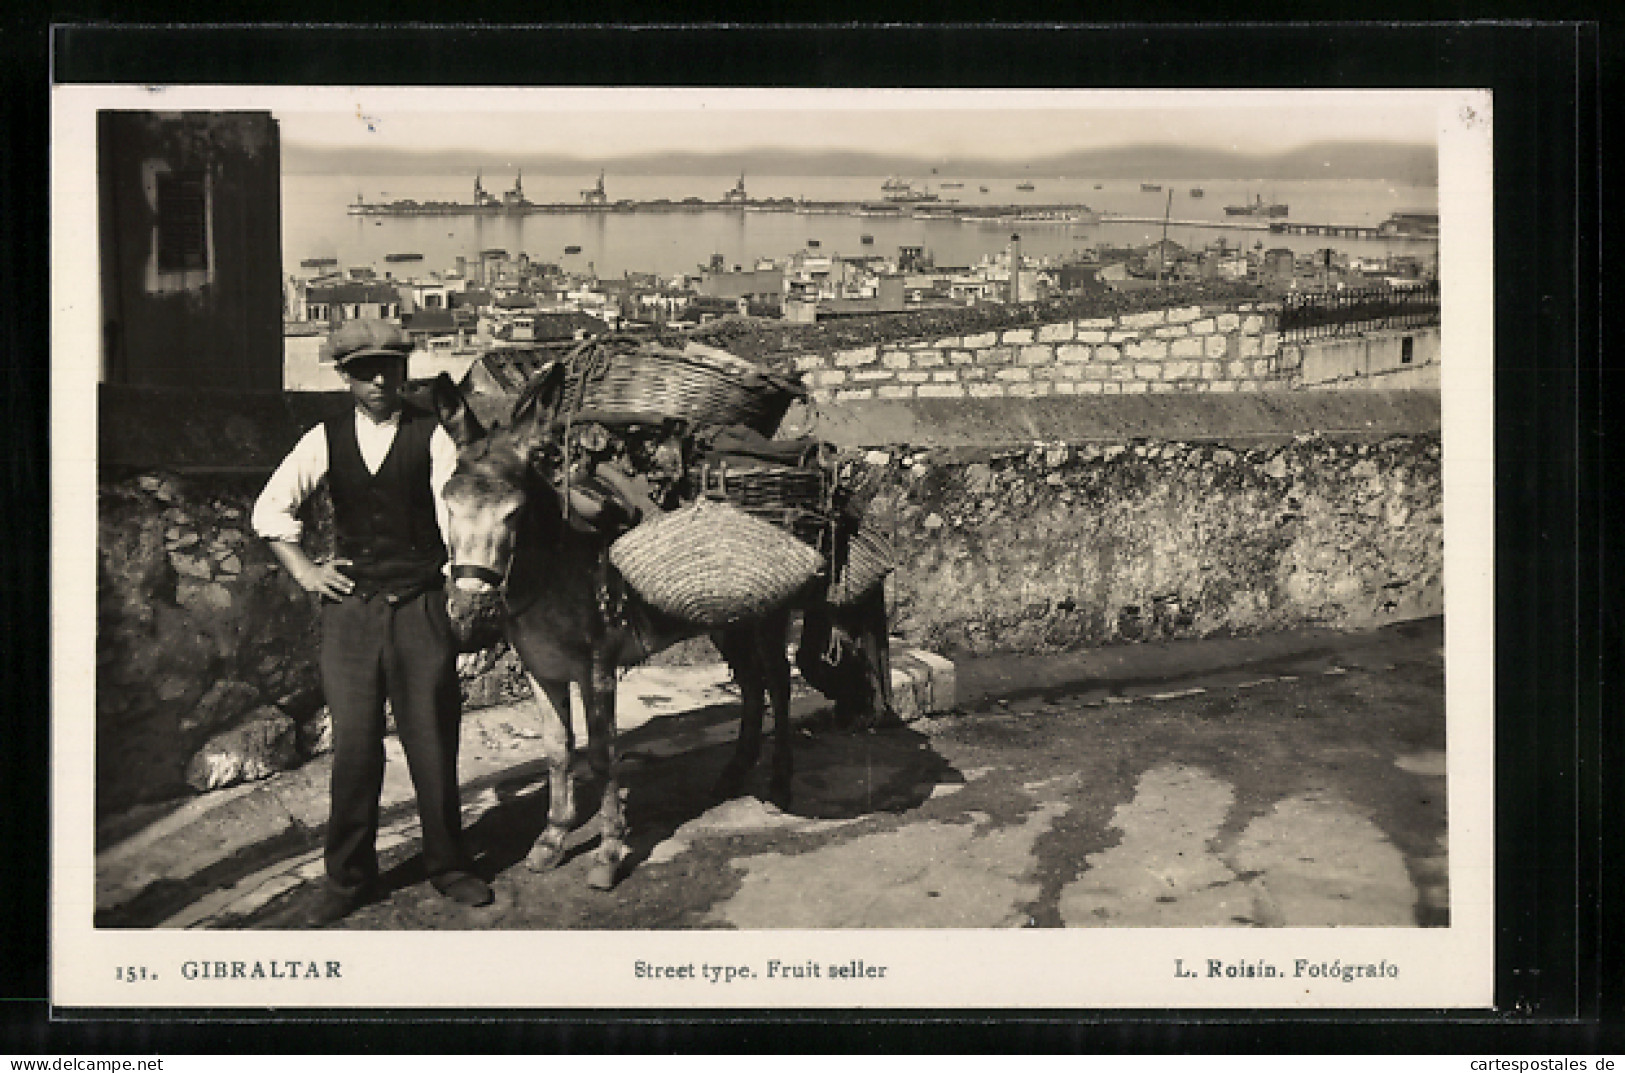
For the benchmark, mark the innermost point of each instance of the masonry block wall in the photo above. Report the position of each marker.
(1184, 349)
(1391, 358)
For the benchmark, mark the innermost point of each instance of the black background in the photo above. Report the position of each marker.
(1557, 965)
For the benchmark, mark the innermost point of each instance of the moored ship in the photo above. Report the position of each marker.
(1257, 207)
(907, 193)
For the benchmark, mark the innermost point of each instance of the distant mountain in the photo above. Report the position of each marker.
(1394, 161)
(1403, 162)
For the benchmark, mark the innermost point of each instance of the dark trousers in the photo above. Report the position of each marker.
(373, 648)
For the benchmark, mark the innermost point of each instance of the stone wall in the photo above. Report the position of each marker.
(1056, 546)
(205, 648)
(1230, 348)
(1187, 349)
(1393, 358)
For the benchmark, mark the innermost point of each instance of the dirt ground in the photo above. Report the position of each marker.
(1306, 792)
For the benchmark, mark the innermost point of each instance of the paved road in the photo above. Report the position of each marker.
(1303, 791)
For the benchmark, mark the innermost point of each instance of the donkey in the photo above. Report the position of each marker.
(570, 619)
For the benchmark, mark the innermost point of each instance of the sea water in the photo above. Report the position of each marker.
(315, 222)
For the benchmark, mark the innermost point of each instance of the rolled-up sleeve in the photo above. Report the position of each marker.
(276, 512)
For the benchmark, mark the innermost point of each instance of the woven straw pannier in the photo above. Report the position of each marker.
(860, 562)
(712, 564)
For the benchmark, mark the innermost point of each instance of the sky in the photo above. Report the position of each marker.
(988, 124)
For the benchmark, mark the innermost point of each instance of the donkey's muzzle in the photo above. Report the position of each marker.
(477, 617)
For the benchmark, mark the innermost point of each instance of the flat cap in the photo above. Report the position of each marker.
(358, 338)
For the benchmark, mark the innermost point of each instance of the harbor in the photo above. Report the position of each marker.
(900, 199)
(919, 209)
(610, 224)
(1059, 213)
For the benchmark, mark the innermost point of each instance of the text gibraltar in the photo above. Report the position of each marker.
(260, 970)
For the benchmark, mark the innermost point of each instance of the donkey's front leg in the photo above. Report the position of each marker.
(558, 744)
(738, 648)
(601, 754)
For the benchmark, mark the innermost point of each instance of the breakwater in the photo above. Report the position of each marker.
(1000, 214)
(919, 210)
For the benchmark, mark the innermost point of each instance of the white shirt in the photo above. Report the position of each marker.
(276, 511)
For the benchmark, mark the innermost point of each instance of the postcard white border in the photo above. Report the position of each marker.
(1448, 967)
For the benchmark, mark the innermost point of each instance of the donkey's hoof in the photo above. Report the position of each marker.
(603, 876)
(545, 855)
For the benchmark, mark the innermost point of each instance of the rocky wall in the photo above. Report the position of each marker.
(206, 649)
(1054, 547)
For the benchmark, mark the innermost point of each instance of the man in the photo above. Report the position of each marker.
(385, 632)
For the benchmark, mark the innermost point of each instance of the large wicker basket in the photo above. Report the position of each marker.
(712, 564)
(859, 562)
(700, 385)
(797, 499)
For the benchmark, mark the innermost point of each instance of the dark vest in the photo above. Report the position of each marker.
(385, 522)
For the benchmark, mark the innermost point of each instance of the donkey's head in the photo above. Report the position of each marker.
(484, 499)
(487, 494)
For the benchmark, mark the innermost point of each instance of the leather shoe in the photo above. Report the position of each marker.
(465, 889)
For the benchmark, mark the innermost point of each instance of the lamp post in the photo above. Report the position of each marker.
(1162, 247)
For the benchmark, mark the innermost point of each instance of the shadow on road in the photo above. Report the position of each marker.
(669, 765)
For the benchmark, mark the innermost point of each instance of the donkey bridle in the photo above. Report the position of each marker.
(481, 573)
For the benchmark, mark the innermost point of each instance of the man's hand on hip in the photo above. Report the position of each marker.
(326, 579)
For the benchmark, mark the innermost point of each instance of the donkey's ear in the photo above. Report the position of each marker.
(540, 396)
(455, 414)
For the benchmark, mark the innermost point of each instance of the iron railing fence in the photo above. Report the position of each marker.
(1322, 313)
